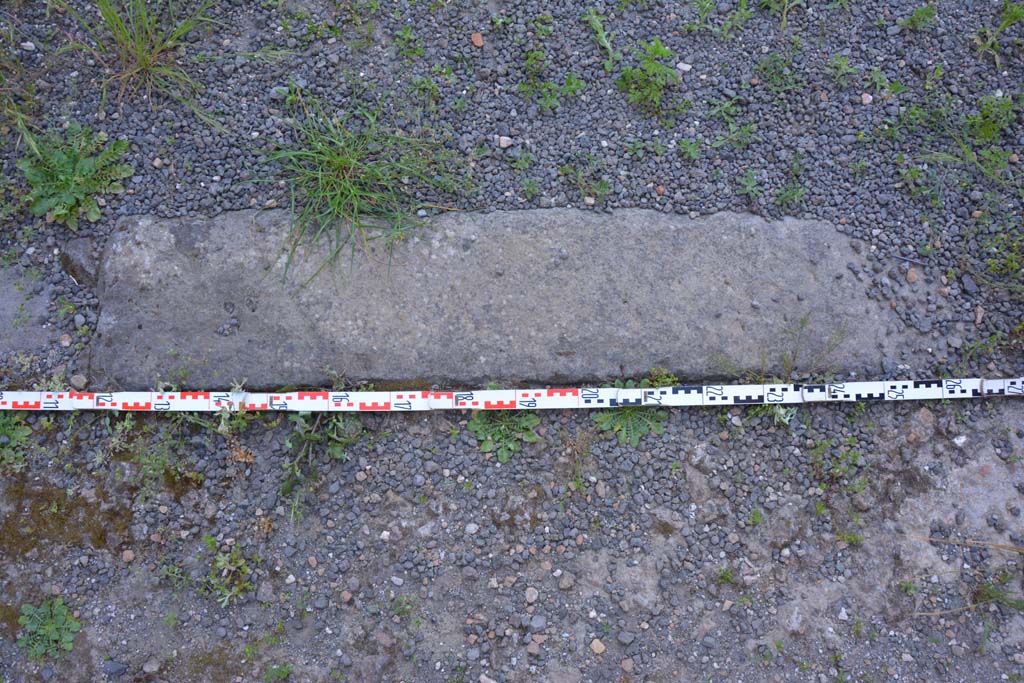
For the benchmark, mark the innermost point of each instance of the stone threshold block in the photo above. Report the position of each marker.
(546, 295)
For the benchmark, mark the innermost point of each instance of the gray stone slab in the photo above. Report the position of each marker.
(23, 311)
(538, 295)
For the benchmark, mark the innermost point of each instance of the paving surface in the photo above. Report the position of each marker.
(540, 295)
(23, 310)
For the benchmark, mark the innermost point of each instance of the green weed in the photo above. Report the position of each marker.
(631, 423)
(850, 539)
(725, 577)
(330, 434)
(645, 85)
(530, 187)
(782, 8)
(139, 42)
(738, 137)
(840, 70)
(17, 96)
(703, 9)
(586, 179)
(735, 21)
(352, 180)
(67, 172)
(1006, 262)
(47, 630)
(503, 431)
(995, 591)
(748, 185)
(522, 162)
(230, 575)
(780, 415)
(278, 672)
(603, 38)
(425, 89)
(573, 85)
(885, 88)
(408, 45)
(792, 194)
(688, 149)
(995, 116)
(725, 110)
(14, 434)
(920, 18)
(777, 72)
(402, 606)
(987, 38)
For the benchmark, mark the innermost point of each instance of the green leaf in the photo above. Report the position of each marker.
(65, 174)
(631, 423)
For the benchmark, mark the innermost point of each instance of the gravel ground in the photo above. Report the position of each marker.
(419, 558)
(862, 167)
(724, 549)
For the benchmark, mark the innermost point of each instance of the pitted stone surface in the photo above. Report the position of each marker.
(23, 311)
(538, 295)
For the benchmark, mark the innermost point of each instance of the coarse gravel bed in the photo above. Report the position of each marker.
(853, 544)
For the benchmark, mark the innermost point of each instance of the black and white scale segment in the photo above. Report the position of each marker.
(516, 399)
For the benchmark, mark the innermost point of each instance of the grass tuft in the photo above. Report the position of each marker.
(140, 41)
(353, 180)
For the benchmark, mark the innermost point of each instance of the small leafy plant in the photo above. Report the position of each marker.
(278, 672)
(749, 187)
(14, 435)
(780, 415)
(645, 85)
(883, 86)
(530, 188)
(725, 110)
(995, 115)
(778, 73)
(735, 21)
(840, 70)
(425, 89)
(586, 179)
(920, 18)
(67, 173)
(230, 574)
(738, 137)
(331, 434)
(632, 423)
(988, 38)
(47, 630)
(689, 149)
(782, 8)
(703, 8)
(409, 46)
(792, 194)
(603, 38)
(503, 431)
